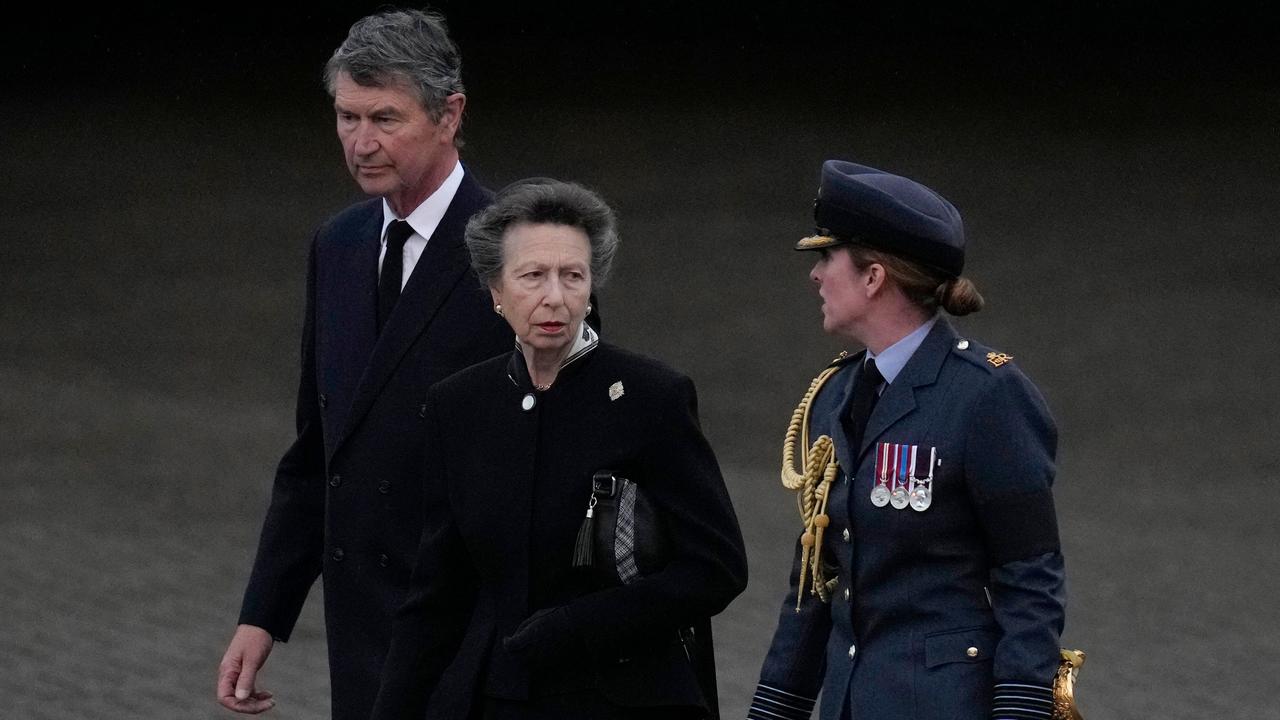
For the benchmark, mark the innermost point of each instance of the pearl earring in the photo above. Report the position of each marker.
(498, 309)
(588, 308)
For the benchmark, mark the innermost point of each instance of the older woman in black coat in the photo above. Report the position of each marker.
(502, 620)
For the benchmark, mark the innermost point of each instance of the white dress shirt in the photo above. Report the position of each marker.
(424, 219)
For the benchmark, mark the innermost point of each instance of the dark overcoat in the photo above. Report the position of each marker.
(952, 612)
(347, 499)
(507, 491)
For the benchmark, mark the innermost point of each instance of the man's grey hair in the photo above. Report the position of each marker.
(542, 200)
(392, 47)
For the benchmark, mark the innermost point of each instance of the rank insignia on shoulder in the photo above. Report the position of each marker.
(998, 359)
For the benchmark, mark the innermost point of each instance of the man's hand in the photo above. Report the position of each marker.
(245, 656)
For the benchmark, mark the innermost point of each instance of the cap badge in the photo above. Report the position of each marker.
(615, 390)
(998, 359)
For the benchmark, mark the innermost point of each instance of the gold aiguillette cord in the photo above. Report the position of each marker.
(812, 483)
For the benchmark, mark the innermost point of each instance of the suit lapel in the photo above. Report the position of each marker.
(899, 398)
(351, 321)
(442, 265)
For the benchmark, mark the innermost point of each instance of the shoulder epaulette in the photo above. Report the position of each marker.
(980, 355)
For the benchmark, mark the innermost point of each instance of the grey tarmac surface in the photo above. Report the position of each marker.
(1122, 230)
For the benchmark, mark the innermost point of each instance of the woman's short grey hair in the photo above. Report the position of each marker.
(537, 201)
(401, 46)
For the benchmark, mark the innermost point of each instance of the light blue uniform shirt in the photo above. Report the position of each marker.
(895, 357)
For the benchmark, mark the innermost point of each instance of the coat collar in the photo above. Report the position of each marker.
(586, 342)
(899, 397)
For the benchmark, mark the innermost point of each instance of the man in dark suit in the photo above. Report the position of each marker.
(392, 307)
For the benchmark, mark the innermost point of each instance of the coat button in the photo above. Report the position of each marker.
(422, 410)
(853, 650)
(324, 401)
(335, 481)
(844, 534)
(338, 555)
(971, 652)
(846, 594)
(384, 487)
(383, 560)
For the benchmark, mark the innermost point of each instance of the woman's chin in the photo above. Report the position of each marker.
(542, 342)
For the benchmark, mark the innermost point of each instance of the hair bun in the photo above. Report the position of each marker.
(958, 296)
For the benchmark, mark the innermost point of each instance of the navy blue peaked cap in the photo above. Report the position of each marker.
(865, 206)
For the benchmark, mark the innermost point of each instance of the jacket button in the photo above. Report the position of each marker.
(971, 652)
(335, 481)
(384, 487)
(324, 401)
(338, 555)
(844, 534)
(383, 560)
(422, 410)
(846, 594)
(853, 650)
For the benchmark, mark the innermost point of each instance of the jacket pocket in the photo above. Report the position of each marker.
(966, 645)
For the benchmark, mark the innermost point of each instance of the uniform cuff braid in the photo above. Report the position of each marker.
(770, 703)
(1020, 701)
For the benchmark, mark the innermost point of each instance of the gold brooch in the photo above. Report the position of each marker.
(998, 359)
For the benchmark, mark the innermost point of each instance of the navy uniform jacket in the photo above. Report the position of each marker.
(507, 490)
(954, 612)
(347, 499)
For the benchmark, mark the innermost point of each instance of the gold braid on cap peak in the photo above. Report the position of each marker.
(812, 483)
(815, 241)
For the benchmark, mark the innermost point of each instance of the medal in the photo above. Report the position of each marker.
(921, 499)
(880, 493)
(922, 485)
(880, 496)
(898, 496)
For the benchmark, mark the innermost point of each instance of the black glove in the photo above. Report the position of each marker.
(545, 636)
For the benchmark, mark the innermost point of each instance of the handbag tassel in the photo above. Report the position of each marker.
(583, 555)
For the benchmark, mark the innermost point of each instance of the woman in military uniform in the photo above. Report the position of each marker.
(506, 617)
(929, 580)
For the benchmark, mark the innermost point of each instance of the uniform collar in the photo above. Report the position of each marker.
(891, 361)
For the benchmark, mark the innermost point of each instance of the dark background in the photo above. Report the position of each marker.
(1116, 165)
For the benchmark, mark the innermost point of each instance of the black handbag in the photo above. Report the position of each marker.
(627, 538)
(623, 538)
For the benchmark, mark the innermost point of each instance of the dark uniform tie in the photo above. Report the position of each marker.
(865, 394)
(392, 269)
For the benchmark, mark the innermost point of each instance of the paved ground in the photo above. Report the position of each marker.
(1123, 230)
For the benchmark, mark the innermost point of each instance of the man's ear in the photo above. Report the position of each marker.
(451, 117)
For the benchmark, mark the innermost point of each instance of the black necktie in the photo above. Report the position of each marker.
(392, 269)
(865, 394)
